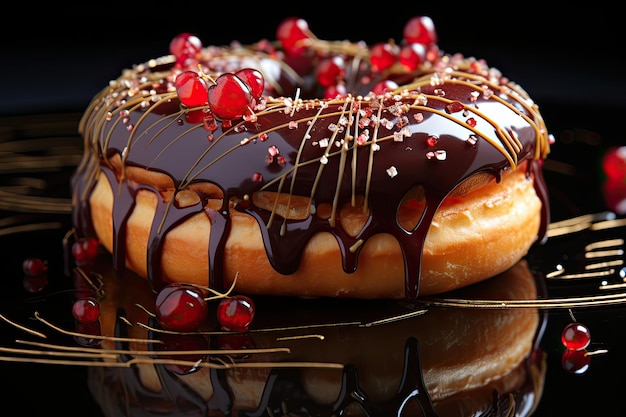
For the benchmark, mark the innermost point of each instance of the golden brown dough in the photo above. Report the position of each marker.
(470, 239)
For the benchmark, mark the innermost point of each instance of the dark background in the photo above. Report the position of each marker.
(55, 57)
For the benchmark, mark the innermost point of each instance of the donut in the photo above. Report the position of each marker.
(446, 361)
(313, 168)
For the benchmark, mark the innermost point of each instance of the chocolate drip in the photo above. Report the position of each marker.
(163, 222)
(220, 227)
(431, 135)
(122, 208)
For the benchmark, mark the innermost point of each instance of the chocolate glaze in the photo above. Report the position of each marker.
(330, 151)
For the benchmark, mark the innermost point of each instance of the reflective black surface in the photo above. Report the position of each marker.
(40, 151)
(579, 91)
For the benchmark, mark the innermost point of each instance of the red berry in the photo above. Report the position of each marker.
(254, 79)
(614, 163)
(86, 310)
(420, 29)
(330, 71)
(230, 97)
(192, 89)
(335, 91)
(185, 48)
(575, 361)
(615, 195)
(382, 56)
(236, 313)
(575, 336)
(412, 55)
(34, 267)
(384, 86)
(292, 33)
(85, 250)
(181, 307)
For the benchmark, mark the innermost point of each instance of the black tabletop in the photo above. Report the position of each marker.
(563, 61)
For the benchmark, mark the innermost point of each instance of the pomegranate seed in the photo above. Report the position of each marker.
(384, 86)
(575, 336)
(420, 29)
(412, 55)
(335, 91)
(292, 34)
(382, 56)
(181, 307)
(34, 267)
(236, 313)
(185, 48)
(254, 79)
(614, 163)
(615, 195)
(182, 342)
(330, 70)
(192, 89)
(230, 97)
(86, 310)
(85, 250)
(454, 107)
(575, 361)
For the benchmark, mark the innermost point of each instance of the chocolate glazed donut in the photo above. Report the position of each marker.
(353, 167)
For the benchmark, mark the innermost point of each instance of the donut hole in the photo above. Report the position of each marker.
(411, 208)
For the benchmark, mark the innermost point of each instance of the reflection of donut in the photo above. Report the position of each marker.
(465, 360)
(316, 196)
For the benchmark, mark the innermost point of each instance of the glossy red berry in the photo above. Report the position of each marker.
(185, 48)
(181, 307)
(230, 98)
(86, 310)
(615, 195)
(292, 33)
(412, 55)
(254, 79)
(236, 313)
(330, 71)
(192, 89)
(575, 361)
(420, 29)
(382, 56)
(614, 163)
(85, 250)
(575, 336)
(384, 87)
(34, 267)
(335, 91)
